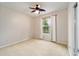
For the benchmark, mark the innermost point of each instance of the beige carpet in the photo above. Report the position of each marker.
(34, 47)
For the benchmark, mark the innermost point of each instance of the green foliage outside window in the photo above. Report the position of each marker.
(45, 26)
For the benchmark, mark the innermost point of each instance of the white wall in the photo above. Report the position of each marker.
(62, 25)
(14, 26)
(71, 28)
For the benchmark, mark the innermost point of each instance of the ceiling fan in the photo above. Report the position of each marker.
(37, 9)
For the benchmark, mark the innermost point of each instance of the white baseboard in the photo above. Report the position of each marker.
(12, 43)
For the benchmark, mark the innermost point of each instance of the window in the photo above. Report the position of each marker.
(46, 25)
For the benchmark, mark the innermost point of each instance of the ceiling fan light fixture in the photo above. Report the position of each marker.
(37, 12)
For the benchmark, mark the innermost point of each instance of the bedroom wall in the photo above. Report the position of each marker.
(71, 28)
(62, 25)
(14, 26)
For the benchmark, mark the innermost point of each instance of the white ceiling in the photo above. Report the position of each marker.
(24, 6)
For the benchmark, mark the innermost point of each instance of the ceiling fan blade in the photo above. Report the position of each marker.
(42, 10)
(31, 8)
(33, 11)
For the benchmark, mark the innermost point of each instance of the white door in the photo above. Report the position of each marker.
(48, 30)
(76, 29)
